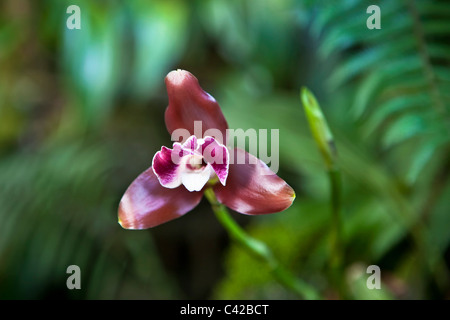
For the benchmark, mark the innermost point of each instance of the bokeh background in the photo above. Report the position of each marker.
(81, 115)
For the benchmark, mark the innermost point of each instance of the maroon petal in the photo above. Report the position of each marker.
(188, 103)
(217, 156)
(146, 203)
(252, 188)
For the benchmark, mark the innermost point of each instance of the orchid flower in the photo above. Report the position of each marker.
(178, 177)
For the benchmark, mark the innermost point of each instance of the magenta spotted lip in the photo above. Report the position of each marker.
(178, 177)
(191, 164)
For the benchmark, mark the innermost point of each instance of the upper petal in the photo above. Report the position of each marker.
(252, 188)
(146, 203)
(188, 103)
(191, 144)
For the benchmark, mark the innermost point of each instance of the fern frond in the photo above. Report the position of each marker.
(400, 74)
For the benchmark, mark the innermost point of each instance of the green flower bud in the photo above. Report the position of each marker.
(319, 127)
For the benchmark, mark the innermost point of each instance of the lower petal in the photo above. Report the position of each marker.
(147, 204)
(252, 188)
(195, 180)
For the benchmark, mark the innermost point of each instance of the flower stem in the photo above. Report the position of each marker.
(260, 251)
(324, 139)
(335, 211)
(336, 258)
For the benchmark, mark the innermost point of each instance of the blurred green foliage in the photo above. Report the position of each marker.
(81, 115)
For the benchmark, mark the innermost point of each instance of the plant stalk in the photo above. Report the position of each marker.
(336, 258)
(260, 251)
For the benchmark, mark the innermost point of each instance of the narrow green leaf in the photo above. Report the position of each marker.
(437, 27)
(405, 127)
(369, 59)
(420, 159)
(375, 81)
(392, 107)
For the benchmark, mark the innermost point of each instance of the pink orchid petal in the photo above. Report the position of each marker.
(166, 169)
(191, 143)
(195, 180)
(217, 156)
(252, 188)
(188, 103)
(147, 204)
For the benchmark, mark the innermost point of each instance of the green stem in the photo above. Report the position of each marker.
(334, 176)
(260, 251)
(336, 258)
